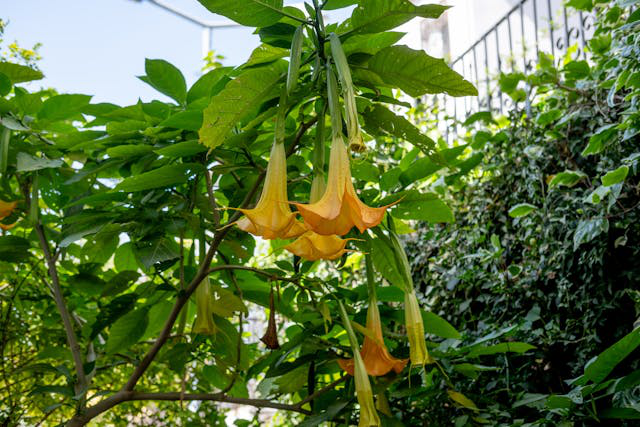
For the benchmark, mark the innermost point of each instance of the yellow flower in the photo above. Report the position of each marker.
(364, 394)
(272, 217)
(312, 246)
(6, 208)
(377, 359)
(339, 209)
(415, 331)
(204, 314)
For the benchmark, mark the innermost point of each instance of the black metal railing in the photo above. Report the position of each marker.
(512, 44)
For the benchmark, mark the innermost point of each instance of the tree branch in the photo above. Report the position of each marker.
(58, 297)
(127, 393)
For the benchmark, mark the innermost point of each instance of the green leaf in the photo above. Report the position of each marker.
(62, 107)
(588, 230)
(327, 415)
(521, 209)
(252, 13)
(503, 347)
(124, 259)
(615, 176)
(384, 261)
(549, 117)
(19, 73)
(436, 325)
(380, 121)
(417, 73)
(182, 149)
(127, 330)
(165, 78)
(371, 43)
(422, 206)
(567, 179)
(155, 251)
(129, 150)
(207, 84)
(5, 84)
(265, 53)
(108, 314)
(600, 368)
(186, 120)
(462, 400)
(375, 16)
(27, 163)
(619, 413)
(585, 5)
(162, 177)
(236, 100)
(338, 4)
(599, 140)
(14, 248)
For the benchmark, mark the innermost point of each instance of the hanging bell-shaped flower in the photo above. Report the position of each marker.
(204, 314)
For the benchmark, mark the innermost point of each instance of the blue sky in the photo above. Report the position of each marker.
(98, 47)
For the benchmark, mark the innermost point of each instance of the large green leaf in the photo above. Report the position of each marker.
(521, 209)
(374, 16)
(567, 178)
(236, 100)
(252, 13)
(421, 206)
(598, 369)
(127, 330)
(62, 107)
(434, 324)
(384, 260)
(208, 83)
(503, 347)
(589, 229)
(165, 78)
(161, 177)
(13, 248)
(19, 73)
(380, 121)
(27, 163)
(417, 73)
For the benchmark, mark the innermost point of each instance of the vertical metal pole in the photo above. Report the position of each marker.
(535, 25)
(475, 66)
(566, 28)
(524, 47)
(486, 71)
(511, 61)
(583, 41)
(499, 67)
(553, 50)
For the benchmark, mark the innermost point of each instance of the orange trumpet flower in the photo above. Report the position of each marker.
(272, 217)
(6, 208)
(313, 246)
(339, 209)
(376, 357)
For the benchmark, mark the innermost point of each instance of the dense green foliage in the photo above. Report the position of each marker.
(547, 235)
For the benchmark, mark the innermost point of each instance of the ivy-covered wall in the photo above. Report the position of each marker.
(547, 232)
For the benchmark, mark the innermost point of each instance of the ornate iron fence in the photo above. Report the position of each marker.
(512, 44)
